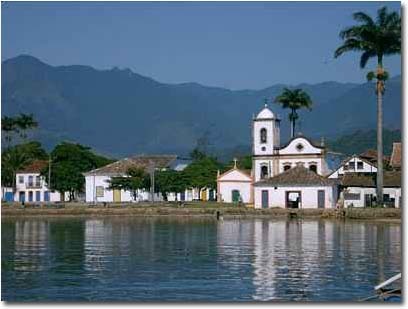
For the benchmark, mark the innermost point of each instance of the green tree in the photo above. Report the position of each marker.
(24, 123)
(135, 180)
(202, 173)
(374, 39)
(68, 163)
(170, 181)
(294, 99)
(8, 127)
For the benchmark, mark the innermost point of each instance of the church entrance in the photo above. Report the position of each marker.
(235, 196)
(293, 199)
(265, 199)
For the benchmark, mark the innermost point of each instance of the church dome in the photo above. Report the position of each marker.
(265, 113)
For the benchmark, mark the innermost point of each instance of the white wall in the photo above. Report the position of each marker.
(226, 188)
(23, 187)
(269, 145)
(306, 163)
(277, 197)
(367, 168)
(393, 192)
(307, 147)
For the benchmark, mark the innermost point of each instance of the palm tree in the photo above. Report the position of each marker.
(12, 160)
(25, 122)
(374, 39)
(8, 126)
(294, 99)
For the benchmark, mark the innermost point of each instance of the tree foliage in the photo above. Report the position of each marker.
(17, 157)
(167, 181)
(69, 162)
(202, 173)
(135, 180)
(17, 125)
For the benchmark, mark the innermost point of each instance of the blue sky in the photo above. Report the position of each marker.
(237, 45)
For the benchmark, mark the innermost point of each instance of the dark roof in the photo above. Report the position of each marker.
(371, 155)
(121, 167)
(391, 179)
(396, 155)
(34, 167)
(298, 175)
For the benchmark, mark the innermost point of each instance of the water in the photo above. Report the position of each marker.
(135, 259)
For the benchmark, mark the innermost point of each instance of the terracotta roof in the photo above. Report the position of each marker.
(121, 167)
(34, 167)
(391, 179)
(396, 155)
(371, 155)
(298, 175)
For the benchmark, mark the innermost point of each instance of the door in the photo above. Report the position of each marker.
(204, 194)
(211, 195)
(116, 195)
(30, 196)
(265, 199)
(367, 200)
(47, 196)
(9, 197)
(183, 196)
(38, 196)
(21, 196)
(320, 198)
(235, 196)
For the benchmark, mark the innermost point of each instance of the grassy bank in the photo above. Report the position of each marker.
(208, 209)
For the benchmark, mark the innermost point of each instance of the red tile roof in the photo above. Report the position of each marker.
(34, 167)
(396, 155)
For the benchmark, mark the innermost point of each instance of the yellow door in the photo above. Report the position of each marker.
(116, 195)
(204, 194)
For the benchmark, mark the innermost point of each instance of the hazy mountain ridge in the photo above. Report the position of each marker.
(121, 112)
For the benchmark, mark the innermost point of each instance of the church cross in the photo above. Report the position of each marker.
(235, 162)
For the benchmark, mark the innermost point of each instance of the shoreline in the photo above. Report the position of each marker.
(197, 209)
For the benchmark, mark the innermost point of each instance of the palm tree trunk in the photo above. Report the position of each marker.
(292, 128)
(379, 144)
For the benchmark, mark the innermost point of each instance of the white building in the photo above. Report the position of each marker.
(97, 181)
(32, 187)
(235, 186)
(270, 159)
(354, 164)
(297, 187)
(360, 190)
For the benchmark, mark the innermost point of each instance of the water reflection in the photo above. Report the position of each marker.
(195, 259)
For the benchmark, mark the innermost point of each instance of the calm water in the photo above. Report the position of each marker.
(133, 259)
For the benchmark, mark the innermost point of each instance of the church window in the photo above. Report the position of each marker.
(263, 148)
(299, 147)
(263, 136)
(313, 168)
(286, 167)
(264, 171)
(360, 165)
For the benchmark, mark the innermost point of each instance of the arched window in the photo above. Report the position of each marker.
(263, 136)
(313, 168)
(286, 167)
(264, 171)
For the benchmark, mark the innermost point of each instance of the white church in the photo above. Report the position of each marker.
(289, 176)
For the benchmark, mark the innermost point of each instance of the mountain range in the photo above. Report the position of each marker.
(119, 112)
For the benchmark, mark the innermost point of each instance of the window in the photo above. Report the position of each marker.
(264, 172)
(263, 136)
(30, 181)
(360, 165)
(313, 168)
(352, 165)
(286, 167)
(20, 179)
(37, 181)
(263, 148)
(351, 196)
(345, 167)
(99, 191)
(299, 147)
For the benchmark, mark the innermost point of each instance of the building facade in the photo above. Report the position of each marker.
(32, 187)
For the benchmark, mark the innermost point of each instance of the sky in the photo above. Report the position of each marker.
(236, 45)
